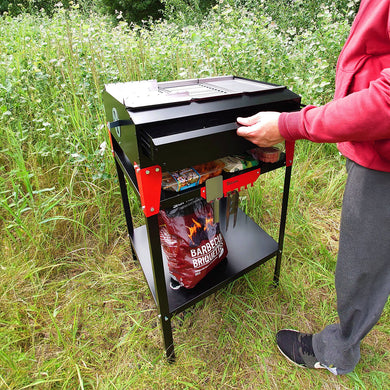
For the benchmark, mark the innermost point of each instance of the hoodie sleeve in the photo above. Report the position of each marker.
(360, 116)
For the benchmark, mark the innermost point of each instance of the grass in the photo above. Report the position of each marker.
(75, 311)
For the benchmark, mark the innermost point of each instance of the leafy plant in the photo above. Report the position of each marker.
(187, 12)
(132, 10)
(16, 7)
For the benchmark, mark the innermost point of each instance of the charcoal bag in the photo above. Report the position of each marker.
(192, 242)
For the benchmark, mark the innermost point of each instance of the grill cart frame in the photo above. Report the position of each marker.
(147, 138)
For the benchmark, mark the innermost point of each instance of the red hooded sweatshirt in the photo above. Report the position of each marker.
(358, 118)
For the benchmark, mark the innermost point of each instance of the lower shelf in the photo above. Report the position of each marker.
(248, 246)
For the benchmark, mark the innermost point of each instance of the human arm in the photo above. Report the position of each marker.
(360, 116)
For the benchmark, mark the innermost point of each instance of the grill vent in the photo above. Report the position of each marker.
(146, 145)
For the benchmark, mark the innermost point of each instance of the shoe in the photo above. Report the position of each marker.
(297, 348)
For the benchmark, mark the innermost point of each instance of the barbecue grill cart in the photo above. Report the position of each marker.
(165, 126)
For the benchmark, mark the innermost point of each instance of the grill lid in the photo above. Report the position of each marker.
(150, 93)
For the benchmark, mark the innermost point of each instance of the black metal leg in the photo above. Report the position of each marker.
(286, 189)
(160, 285)
(126, 205)
(125, 199)
(168, 338)
(157, 264)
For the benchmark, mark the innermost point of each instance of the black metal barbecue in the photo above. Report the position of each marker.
(165, 126)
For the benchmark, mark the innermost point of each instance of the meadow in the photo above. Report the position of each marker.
(75, 312)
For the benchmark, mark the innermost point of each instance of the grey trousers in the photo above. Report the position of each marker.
(363, 268)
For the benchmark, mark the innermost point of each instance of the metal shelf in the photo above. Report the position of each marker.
(259, 247)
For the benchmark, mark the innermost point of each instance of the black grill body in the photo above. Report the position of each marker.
(172, 129)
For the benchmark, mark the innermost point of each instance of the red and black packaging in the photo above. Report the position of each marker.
(192, 242)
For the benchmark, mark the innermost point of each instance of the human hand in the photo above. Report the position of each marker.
(261, 129)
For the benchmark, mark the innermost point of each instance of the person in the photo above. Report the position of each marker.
(358, 120)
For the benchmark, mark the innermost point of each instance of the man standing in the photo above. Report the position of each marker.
(358, 120)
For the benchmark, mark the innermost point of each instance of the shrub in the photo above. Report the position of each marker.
(187, 12)
(17, 7)
(302, 15)
(132, 10)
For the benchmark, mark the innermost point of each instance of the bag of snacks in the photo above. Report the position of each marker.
(191, 241)
(238, 163)
(190, 177)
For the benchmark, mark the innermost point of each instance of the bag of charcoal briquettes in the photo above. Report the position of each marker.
(191, 241)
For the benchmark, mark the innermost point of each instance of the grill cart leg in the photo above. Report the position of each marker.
(160, 285)
(168, 339)
(126, 205)
(286, 189)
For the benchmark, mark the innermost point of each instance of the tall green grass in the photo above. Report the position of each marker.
(74, 309)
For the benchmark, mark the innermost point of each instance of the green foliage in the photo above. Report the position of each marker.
(187, 12)
(132, 10)
(302, 15)
(16, 7)
(238, 41)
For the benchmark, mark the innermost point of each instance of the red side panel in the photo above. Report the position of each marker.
(236, 183)
(149, 185)
(290, 145)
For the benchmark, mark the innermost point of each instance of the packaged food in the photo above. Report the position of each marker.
(189, 177)
(238, 162)
(191, 241)
(180, 180)
(268, 155)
